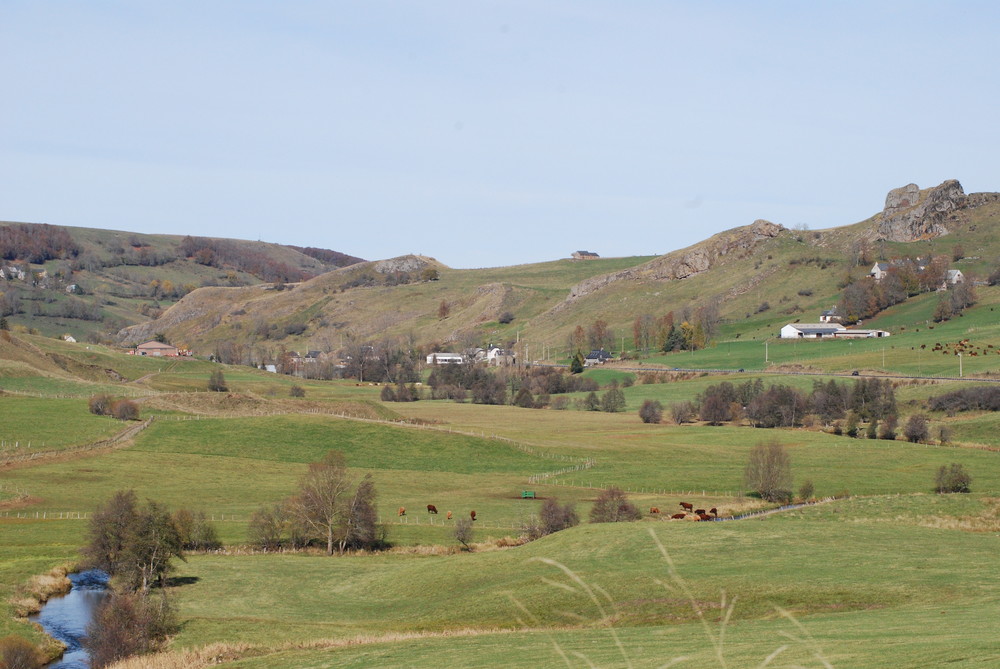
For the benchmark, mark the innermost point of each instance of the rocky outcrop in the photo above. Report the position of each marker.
(408, 263)
(911, 214)
(687, 262)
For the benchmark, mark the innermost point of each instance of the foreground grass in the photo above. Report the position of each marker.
(836, 575)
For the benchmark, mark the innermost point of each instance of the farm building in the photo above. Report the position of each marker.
(827, 331)
(156, 348)
(443, 358)
(597, 357)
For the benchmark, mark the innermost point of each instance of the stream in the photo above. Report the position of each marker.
(66, 618)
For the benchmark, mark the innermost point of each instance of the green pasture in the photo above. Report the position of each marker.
(837, 576)
(50, 423)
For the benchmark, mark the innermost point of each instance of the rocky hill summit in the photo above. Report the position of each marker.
(912, 214)
(688, 262)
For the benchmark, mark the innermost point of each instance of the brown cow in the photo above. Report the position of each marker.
(654, 509)
(687, 507)
(472, 514)
(432, 509)
(704, 516)
(449, 515)
(678, 516)
(402, 510)
(699, 512)
(714, 512)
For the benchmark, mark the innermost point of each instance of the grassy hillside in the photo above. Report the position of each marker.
(759, 282)
(90, 283)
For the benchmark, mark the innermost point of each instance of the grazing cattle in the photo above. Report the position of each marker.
(687, 507)
(714, 512)
(402, 510)
(654, 509)
(704, 516)
(449, 515)
(699, 512)
(472, 514)
(678, 516)
(432, 509)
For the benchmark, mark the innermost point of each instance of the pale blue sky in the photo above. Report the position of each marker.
(488, 133)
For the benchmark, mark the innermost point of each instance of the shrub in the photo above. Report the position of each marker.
(217, 382)
(560, 403)
(916, 429)
(681, 412)
(297, 391)
(506, 317)
(806, 491)
(18, 653)
(591, 403)
(888, 430)
(613, 401)
(524, 399)
(952, 478)
(125, 410)
(100, 404)
(126, 625)
(555, 517)
(651, 411)
(265, 528)
(613, 506)
(769, 472)
(387, 394)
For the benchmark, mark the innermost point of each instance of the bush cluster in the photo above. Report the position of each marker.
(122, 409)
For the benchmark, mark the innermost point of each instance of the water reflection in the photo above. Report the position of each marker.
(66, 618)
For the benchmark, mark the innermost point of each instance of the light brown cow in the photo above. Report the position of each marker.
(402, 510)
(654, 509)
(449, 515)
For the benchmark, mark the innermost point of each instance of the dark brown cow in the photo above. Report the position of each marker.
(699, 512)
(687, 507)
(654, 509)
(402, 510)
(432, 509)
(704, 516)
(678, 516)
(472, 514)
(714, 512)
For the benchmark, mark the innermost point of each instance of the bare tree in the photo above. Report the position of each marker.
(769, 472)
(463, 532)
(320, 508)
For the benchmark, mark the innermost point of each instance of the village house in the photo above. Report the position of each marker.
(597, 357)
(584, 255)
(830, 316)
(156, 349)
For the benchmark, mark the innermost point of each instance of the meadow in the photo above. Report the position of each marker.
(855, 582)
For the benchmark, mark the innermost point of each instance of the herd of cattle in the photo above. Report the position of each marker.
(696, 514)
(431, 509)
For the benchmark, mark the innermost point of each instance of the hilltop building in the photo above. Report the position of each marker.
(585, 255)
(156, 349)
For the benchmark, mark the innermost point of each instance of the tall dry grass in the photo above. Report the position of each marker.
(30, 596)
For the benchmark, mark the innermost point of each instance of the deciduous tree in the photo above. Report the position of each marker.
(769, 472)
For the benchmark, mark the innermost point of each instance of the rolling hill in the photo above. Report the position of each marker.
(757, 277)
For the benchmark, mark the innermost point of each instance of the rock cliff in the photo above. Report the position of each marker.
(911, 214)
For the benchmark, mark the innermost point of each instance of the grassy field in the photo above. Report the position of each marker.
(882, 565)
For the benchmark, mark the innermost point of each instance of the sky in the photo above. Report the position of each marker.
(488, 133)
